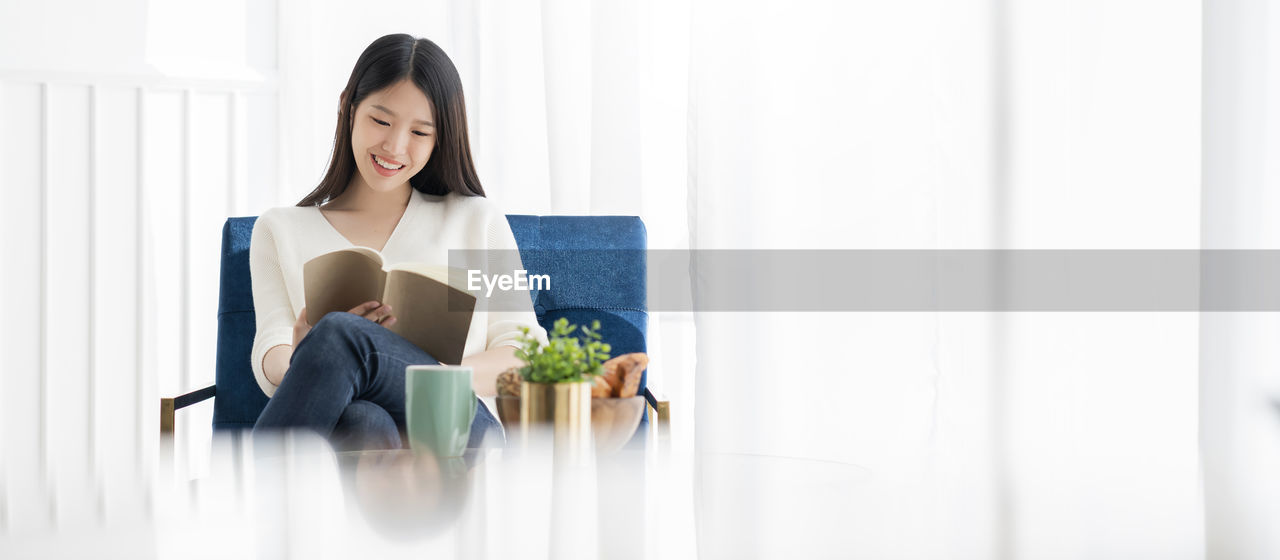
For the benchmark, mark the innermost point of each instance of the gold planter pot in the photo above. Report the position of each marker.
(566, 407)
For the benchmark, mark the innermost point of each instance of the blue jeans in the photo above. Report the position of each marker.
(346, 383)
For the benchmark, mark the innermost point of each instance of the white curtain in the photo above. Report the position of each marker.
(1239, 367)
(948, 125)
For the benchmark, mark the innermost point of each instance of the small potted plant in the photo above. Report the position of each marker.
(556, 380)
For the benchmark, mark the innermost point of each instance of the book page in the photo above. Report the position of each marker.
(341, 280)
(429, 313)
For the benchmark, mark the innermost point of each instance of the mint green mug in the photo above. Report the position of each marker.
(439, 406)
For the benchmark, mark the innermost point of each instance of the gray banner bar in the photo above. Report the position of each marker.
(932, 280)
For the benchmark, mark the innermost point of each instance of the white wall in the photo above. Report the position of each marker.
(129, 134)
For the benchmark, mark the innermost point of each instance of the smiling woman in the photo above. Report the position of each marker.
(401, 181)
(411, 91)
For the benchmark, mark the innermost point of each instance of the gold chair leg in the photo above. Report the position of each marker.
(166, 417)
(659, 424)
(664, 419)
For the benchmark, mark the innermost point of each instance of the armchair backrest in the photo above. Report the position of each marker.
(597, 264)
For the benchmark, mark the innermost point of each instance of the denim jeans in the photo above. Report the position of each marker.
(346, 383)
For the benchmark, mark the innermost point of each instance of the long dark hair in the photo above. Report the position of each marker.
(384, 62)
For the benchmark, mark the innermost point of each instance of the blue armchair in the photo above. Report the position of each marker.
(598, 262)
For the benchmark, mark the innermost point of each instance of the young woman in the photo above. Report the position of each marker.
(401, 180)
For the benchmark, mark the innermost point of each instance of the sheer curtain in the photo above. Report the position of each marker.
(946, 125)
(1031, 125)
(827, 126)
(1239, 367)
(925, 124)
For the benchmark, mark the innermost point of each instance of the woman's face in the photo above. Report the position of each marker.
(392, 135)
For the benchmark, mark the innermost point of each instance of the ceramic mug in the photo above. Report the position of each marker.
(439, 407)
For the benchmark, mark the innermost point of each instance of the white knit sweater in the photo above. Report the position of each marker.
(285, 238)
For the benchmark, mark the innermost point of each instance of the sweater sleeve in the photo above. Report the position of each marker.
(515, 310)
(272, 310)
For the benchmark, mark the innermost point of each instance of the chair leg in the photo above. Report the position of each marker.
(168, 407)
(166, 417)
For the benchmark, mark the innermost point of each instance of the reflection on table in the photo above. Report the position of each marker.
(291, 496)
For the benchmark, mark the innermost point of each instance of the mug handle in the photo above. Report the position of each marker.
(475, 402)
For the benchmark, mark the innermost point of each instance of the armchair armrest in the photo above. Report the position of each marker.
(169, 405)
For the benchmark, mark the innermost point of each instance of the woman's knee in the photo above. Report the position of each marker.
(365, 425)
(331, 342)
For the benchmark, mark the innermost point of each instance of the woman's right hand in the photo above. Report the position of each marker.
(371, 310)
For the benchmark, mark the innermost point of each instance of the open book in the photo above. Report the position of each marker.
(429, 312)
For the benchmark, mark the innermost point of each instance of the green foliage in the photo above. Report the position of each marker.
(567, 358)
